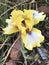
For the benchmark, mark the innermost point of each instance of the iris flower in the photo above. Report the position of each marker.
(24, 21)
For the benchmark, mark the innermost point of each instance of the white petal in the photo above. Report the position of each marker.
(10, 29)
(33, 40)
(37, 15)
(9, 21)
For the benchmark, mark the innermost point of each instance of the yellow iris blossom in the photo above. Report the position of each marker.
(21, 21)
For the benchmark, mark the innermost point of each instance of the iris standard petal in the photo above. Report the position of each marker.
(29, 21)
(17, 21)
(16, 16)
(28, 13)
(16, 13)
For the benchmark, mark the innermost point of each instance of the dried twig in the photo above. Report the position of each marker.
(5, 52)
(4, 43)
(12, 8)
(7, 44)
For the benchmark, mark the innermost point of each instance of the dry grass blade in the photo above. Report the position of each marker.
(4, 4)
(4, 43)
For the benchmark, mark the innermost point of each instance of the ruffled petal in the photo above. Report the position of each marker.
(28, 17)
(17, 21)
(16, 13)
(33, 39)
(29, 24)
(38, 17)
(28, 13)
(10, 29)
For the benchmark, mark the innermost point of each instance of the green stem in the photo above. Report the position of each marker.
(25, 57)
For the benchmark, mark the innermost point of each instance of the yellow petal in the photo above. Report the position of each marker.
(33, 39)
(29, 24)
(16, 16)
(10, 29)
(16, 13)
(28, 17)
(29, 13)
(17, 21)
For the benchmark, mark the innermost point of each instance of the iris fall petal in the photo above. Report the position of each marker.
(33, 39)
(38, 17)
(10, 29)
